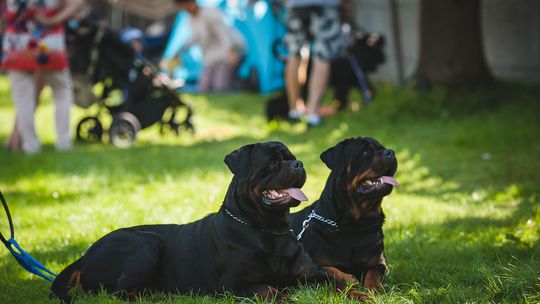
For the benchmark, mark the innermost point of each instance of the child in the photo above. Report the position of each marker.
(222, 46)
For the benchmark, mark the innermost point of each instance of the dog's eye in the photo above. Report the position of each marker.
(366, 153)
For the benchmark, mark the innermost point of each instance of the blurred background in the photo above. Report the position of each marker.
(509, 31)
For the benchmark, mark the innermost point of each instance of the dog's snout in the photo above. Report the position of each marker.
(388, 153)
(296, 164)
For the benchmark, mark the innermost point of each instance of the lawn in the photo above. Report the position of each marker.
(464, 226)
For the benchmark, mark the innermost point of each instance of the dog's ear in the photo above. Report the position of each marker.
(239, 161)
(334, 158)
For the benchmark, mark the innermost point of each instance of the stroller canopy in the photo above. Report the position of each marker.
(261, 29)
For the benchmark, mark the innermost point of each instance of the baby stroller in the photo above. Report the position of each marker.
(98, 56)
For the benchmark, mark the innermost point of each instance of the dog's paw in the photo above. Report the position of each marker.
(373, 285)
(357, 295)
(341, 277)
(282, 298)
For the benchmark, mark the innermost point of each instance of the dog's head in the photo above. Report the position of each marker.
(368, 48)
(269, 177)
(365, 167)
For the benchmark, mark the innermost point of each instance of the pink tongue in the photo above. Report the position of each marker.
(297, 194)
(389, 180)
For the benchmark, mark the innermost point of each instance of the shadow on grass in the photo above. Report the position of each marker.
(457, 260)
(135, 161)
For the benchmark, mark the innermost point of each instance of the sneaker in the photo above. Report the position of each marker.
(314, 120)
(32, 149)
(63, 147)
(294, 116)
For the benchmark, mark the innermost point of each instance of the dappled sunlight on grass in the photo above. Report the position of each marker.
(415, 177)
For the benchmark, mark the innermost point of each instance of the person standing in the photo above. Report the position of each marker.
(316, 22)
(222, 45)
(33, 44)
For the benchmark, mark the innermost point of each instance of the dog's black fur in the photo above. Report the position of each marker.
(356, 245)
(246, 248)
(367, 49)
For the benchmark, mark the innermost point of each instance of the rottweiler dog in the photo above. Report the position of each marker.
(246, 248)
(343, 229)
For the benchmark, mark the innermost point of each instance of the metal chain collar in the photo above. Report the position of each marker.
(234, 217)
(314, 215)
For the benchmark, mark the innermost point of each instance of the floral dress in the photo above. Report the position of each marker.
(27, 46)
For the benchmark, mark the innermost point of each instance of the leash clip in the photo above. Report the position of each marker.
(305, 224)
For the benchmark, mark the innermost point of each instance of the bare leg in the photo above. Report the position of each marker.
(317, 87)
(292, 85)
(14, 141)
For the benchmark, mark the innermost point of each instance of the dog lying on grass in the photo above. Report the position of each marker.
(246, 248)
(343, 229)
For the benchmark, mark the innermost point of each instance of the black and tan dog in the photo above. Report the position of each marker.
(343, 229)
(246, 248)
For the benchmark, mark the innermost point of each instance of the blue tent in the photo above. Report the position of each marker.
(261, 30)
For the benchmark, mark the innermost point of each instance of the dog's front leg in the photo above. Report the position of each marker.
(373, 279)
(342, 281)
(374, 276)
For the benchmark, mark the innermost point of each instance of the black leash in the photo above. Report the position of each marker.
(12, 231)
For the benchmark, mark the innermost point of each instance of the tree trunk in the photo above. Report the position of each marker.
(451, 44)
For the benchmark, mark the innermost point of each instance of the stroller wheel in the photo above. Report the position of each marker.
(124, 129)
(89, 129)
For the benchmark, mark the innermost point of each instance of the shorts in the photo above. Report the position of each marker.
(318, 25)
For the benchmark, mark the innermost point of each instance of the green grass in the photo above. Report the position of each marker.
(463, 228)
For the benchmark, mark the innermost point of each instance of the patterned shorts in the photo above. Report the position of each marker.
(318, 25)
